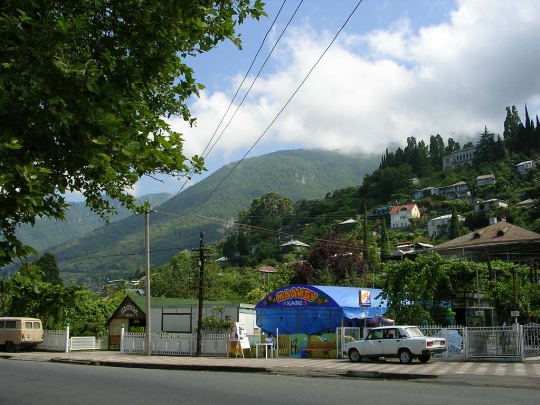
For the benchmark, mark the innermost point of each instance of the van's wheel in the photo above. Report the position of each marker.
(424, 359)
(405, 356)
(10, 346)
(354, 356)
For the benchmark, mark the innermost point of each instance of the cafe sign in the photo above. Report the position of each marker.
(291, 297)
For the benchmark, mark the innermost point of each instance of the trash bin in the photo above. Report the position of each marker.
(303, 352)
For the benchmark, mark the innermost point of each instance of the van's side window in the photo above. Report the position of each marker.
(11, 324)
(37, 325)
(1, 324)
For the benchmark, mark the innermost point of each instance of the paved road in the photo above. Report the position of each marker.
(45, 383)
(477, 373)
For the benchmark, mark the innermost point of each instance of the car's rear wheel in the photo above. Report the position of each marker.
(405, 356)
(354, 356)
(10, 346)
(424, 359)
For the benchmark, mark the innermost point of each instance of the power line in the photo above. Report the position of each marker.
(234, 98)
(281, 110)
(273, 120)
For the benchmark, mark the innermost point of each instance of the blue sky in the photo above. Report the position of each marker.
(398, 69)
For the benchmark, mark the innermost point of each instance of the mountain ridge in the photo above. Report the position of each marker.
(118, 250)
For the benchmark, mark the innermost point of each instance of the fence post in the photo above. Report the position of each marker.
(521, 340)
(67, 337)
(122, 339)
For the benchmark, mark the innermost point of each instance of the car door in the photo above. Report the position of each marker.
(373, 344)
(391, 342)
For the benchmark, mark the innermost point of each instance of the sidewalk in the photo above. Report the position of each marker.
(526, 375)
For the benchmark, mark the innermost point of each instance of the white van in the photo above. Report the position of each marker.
(20, 332)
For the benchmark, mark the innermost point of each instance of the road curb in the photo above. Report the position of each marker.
(157, 366)
(389, 376)
(240, 369)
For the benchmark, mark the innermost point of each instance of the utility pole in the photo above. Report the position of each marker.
(201, 294)
(148, 307)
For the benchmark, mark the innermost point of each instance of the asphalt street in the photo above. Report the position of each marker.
(511, 374)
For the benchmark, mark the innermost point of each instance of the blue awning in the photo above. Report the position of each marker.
(312, 309)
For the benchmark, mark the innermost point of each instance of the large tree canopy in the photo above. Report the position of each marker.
(85, 89)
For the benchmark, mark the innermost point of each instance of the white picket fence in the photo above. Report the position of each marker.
(179, 344)
(56, 340)
(503, 343)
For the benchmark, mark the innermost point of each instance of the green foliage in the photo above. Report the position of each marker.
(56, 305)
(216, 322)
(85, 87)
(49, 267)
(117, 251)
(176, 279)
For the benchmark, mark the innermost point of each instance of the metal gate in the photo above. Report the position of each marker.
(531, 342)
(500, 342)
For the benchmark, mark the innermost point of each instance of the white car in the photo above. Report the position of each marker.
(404, 342)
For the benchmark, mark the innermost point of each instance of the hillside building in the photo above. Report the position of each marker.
(459, 158)
(400, 216)
(441, 225)
(455, 191)
(485, 180)
(499, 241)
(486, 207)
(524, 166)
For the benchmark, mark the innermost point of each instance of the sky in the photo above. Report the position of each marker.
(397, 69)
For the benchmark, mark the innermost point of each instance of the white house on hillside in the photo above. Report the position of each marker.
(441, 225)
(524, 166)
(400, 215)
(426, 192)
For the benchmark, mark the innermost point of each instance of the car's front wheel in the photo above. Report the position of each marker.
(354, 356)
(424, 359)
(405, 356)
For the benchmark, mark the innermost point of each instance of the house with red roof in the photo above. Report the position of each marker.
(401, 215)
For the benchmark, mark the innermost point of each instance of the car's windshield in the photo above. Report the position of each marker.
(414, 332)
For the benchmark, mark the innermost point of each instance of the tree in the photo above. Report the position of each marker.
(49, 267)
(512, 124)
(452, 146)
(85, 88)
(485, 148)
(243, 244)
(436, 151)
(455, 228)
(230, 247)
(386, 249)
(267, 211)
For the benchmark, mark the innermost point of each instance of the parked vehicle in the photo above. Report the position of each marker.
(404, 342)
(20, 333)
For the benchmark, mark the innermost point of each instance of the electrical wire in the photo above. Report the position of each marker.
(281, 110)
(232, 101)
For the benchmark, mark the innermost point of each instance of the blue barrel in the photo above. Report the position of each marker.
(303, 352)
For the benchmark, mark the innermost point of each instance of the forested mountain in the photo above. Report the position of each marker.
(80, 220)
(118, 250)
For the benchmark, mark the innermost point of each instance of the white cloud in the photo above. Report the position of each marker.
(374, 89)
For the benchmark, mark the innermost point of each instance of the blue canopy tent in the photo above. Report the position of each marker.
(313, 309)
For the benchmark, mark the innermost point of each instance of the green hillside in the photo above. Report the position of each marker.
(80, 220)
(118, 250)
